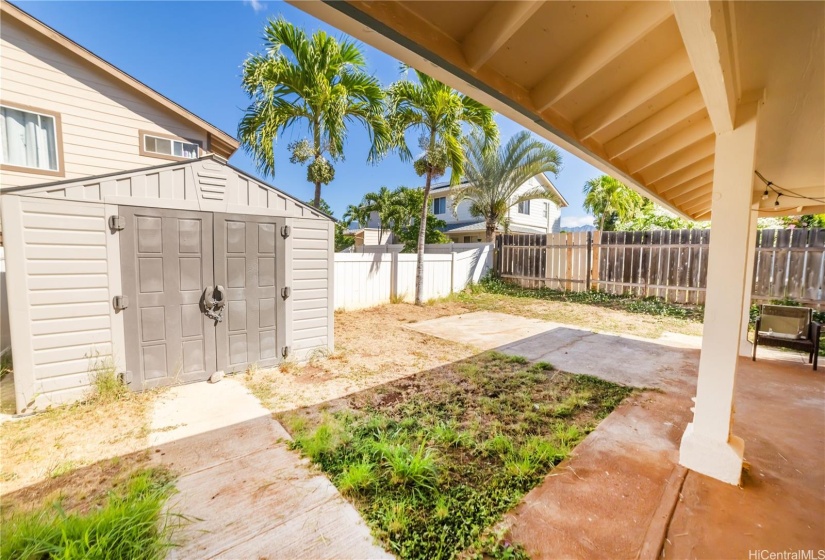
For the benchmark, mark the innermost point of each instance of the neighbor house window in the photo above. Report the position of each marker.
(169, 147)
(545, 209)
(29, 139)
(524, 207)
(440, 205)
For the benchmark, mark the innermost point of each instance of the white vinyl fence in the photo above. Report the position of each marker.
(370, 279)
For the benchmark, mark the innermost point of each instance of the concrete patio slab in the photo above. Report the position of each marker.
(244, 493)
(669, 362)
(622, 494)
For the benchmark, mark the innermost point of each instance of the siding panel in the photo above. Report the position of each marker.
(310, 257)
(64, 244)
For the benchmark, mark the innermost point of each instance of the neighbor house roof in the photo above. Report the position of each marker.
(470, 227)
(543, 179)
(220, 142)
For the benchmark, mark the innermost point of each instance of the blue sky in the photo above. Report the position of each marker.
(192, 53)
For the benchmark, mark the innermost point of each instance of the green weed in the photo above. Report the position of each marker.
(357, 477)
(432, 469)
(105, 382)
(130, 524)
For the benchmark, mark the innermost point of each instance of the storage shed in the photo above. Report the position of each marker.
(170, 273)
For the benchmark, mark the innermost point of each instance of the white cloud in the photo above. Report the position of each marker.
(256, 5)
(576, 221)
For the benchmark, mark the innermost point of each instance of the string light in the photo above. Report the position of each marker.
(771, 186)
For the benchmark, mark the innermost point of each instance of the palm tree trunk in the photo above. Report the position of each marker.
(422, 230)
(317, 202)
(490, 231)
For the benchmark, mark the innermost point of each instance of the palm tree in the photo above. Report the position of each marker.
(318, 81)
(605, 196)
(358, 214)
(437, 112)
(495, 176)
(382, 203)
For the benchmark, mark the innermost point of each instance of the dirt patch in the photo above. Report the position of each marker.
(372, 347)
(63, 439)
(594, 317)
(78, 490)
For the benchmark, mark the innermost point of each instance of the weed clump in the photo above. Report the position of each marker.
(130, 524)
(433, 468)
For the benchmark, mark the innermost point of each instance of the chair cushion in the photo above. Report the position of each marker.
(782, 321)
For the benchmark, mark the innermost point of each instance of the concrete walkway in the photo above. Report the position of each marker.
(246, 495)
(622, 494)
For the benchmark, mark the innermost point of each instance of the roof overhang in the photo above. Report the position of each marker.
(220, 142)
(637, 89)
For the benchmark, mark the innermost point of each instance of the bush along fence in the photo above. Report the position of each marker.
(789, 264)
(370, 279)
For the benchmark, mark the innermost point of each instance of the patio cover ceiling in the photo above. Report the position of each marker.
(638, 89)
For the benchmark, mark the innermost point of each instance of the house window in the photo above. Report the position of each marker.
(29, 139)
(524, 207)
(545, 209)
(440, 205)
(169, 147)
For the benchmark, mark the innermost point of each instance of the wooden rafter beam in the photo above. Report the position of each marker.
(687, 197)
(686, 174)
(670, 145)
(496, 27)
(655, 125)
(705, 28)
(634, 24)
(700, 203)
(651, 84)
(702, 217)
(679, 160)
(687, 186)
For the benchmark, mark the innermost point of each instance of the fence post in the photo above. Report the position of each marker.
(452, 270)
(595, 259)
(393, 276)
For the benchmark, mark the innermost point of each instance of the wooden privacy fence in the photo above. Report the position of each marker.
(670, 264)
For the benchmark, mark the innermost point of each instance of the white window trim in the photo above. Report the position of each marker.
(58, 142)
(172, 141)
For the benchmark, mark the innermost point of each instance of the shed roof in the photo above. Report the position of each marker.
(208, 183)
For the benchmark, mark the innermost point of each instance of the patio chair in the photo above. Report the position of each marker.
(785, 326)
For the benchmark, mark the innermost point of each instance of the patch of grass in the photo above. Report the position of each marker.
(357, 477)
(130, 524)
(634, 304)
(106, 384)
(6, 363)
(434, 467)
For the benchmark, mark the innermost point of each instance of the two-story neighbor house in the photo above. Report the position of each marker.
(128, 239)
(533, 216)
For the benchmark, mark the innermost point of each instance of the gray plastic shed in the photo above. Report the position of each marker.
(171, 272)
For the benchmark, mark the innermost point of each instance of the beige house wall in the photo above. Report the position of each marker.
(100, 117)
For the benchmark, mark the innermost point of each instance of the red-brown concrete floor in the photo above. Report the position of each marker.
(780, 413)
(614, 497)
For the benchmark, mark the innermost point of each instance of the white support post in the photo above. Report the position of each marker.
(708, 446)
(744, 343)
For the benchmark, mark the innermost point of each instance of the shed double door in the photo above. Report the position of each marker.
(168, 260)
